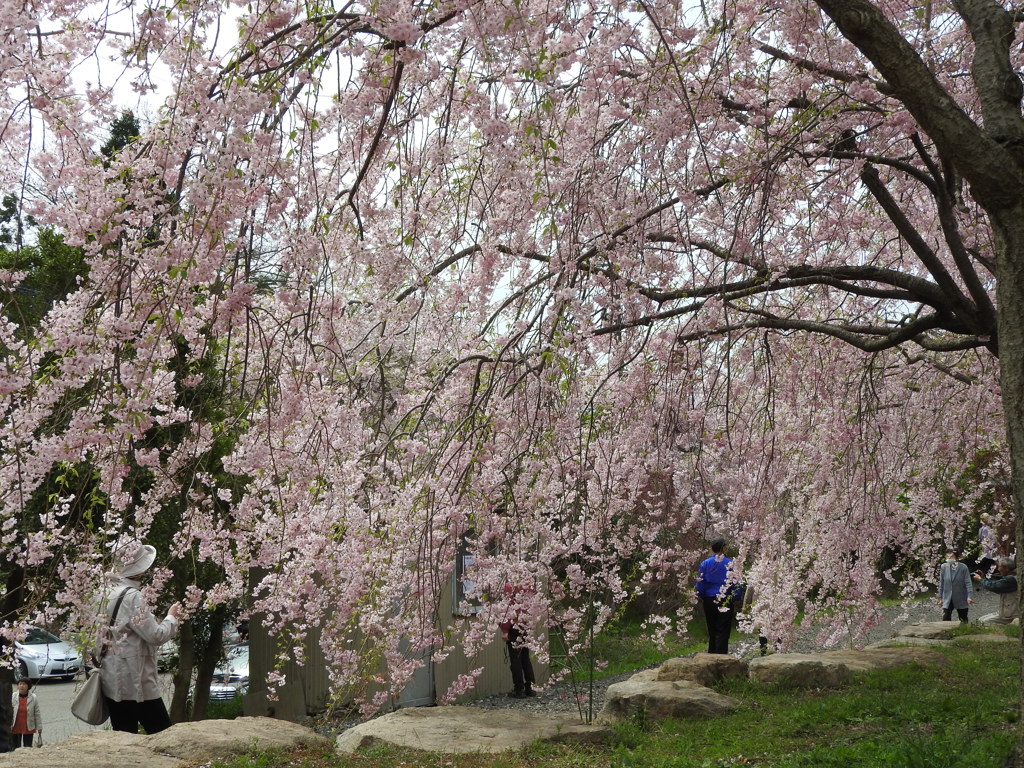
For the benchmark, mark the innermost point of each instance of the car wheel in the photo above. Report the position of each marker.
(68, 678)
(22, 670)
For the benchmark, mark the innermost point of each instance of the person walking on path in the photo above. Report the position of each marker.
(1004, 585)
(988, 544)
(717, 599)
(129, 679)
(28, 722)
(955, 588)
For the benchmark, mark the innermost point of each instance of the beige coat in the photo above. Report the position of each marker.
(129, 668)
(1009, 607)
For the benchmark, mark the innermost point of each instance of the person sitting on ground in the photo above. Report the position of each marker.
(1005, 585)
(955, 590)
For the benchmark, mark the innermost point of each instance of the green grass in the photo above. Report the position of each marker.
(958, 715)
(626, 647)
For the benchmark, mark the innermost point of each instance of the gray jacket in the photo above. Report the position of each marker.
(129, 667)
(955, 586)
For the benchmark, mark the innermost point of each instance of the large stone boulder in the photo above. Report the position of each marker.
(224, 738)
(178, 745)
(801, 670)
(649, 675)
(91, 749)
(659, 700)
(467, 729)
(941, 633)
(702, 668)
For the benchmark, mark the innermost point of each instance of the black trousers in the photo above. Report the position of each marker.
(129, 715)
(21, 740)
(961, 613)
(719, 624)
(520, 664)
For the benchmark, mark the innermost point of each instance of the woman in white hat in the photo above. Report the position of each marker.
(132, 636)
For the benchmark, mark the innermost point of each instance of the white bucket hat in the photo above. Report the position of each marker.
(133, 558)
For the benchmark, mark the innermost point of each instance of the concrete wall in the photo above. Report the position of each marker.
(307, 691)
(496, 677)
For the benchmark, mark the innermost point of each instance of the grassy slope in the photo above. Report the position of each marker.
(959, 715)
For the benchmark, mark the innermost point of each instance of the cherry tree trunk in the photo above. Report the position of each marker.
(1009, 229)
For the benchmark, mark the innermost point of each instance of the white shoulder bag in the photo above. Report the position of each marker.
(89, 705)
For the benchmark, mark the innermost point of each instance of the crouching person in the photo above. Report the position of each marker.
(1005, 585)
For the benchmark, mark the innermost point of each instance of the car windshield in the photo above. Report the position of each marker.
(38, 636)
(237, 661)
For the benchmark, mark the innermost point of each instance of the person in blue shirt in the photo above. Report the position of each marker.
(719, 601)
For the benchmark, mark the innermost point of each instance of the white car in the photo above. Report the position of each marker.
(231, 677)
(44, 656)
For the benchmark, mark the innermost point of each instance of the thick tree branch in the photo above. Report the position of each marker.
(958, 302)
(951, 232)
(998, 85)
(995, 177)
(811, 66)
(866, 338)
(437, 270)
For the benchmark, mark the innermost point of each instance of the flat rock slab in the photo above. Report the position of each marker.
(930, 630)
(921, 642)
(702, 668)
(989, 637)
(660, 700)
(801, 670)
(467, 730)
(178, 745)
(996, 623)
(885, 658)
(979, 637)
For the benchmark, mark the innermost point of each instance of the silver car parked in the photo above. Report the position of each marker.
(42, 655)
(232, 677)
